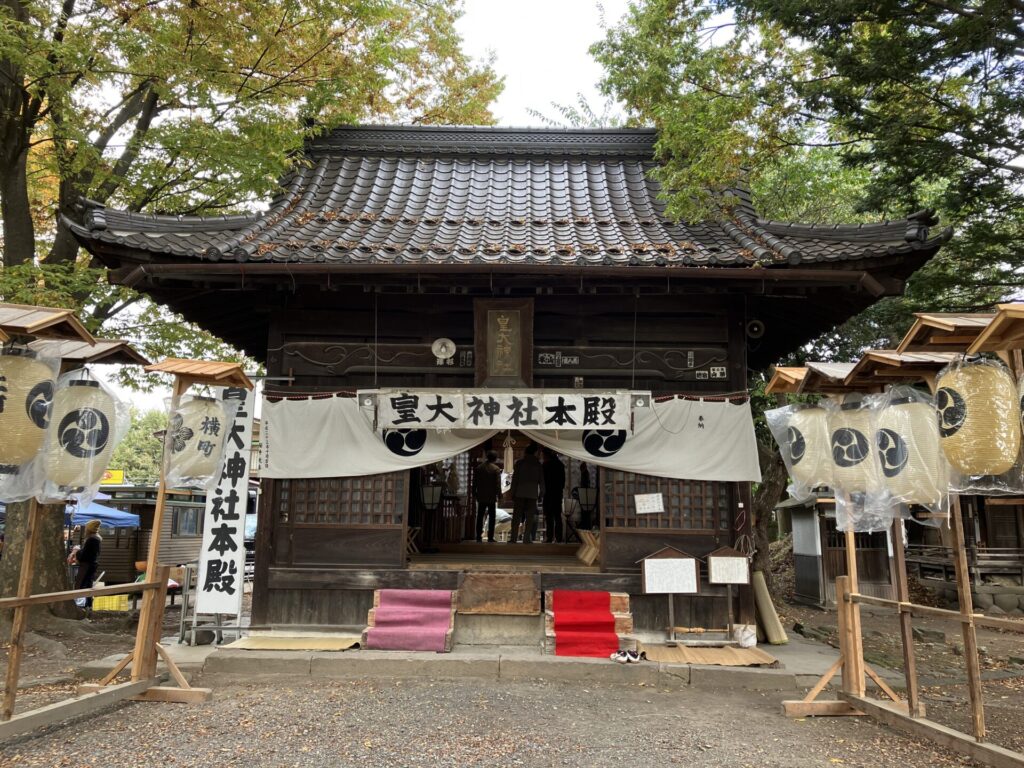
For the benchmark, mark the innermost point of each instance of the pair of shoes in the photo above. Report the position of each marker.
(628, 657)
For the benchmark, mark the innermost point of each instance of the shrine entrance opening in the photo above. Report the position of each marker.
(445, 531)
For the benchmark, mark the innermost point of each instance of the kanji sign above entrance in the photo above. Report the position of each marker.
(503, 409)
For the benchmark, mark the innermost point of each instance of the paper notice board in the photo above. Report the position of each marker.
(671, 576)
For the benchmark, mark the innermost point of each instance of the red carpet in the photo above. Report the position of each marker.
(584, 625)
(411, 620)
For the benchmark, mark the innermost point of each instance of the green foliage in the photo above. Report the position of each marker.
(842, 112)
(582, 114)
(195, 108)
(139, 454)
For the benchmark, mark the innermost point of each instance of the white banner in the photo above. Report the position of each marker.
(222, 558)
(685, 439)
(335, 437)
(491, 409)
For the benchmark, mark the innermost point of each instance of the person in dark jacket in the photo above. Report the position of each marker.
(527, 487)
(88, 557)
(554, 486)
(486, 490)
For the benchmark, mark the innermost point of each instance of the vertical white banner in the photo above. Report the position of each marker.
(222, 558)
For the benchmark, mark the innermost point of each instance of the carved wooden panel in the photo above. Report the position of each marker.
(690, 505)
(377, 500)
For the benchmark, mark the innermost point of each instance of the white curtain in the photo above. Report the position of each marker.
(331, 437)
(685, 439)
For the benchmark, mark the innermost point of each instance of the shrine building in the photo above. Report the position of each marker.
(498, 264)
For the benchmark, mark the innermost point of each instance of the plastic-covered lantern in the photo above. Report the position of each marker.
(979, 418)
(83, 435)
(851, 433)
(26, 393)
(195, 438)
(809, 452)
(910, 458)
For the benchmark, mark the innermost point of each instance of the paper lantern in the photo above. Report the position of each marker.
(84, 419)
(26, 392)
(195, 436)
(909, 456)
(810, 457)
(979, 418)
(853, 458)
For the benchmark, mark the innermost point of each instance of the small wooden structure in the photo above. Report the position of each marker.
(29, 322)
(943, 331)
(110, 351)
(951, 334)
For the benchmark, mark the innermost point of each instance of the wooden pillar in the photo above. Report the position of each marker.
(963, 589)
(264, 553)
(144, 665)
(906, 630)
(842, 616)
(856, 657)
(20, 618)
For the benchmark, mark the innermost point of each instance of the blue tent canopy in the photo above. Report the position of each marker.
(108, 517)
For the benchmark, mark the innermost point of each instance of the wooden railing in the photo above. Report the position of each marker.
(981, 561)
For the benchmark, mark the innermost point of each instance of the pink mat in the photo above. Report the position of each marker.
(411, 620)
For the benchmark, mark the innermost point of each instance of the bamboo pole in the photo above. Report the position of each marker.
(963, 588)
(20, 618)
(145, 641)
(906, 628)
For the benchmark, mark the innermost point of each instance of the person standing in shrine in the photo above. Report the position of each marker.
(486, 490)
(554, 486)
(527, 487)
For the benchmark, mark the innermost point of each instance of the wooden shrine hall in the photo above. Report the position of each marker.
(385, 240)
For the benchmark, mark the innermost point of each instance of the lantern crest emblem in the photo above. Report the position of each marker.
(849, 447)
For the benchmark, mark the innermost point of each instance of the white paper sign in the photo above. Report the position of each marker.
(728, 570)
(671, 575)
(222, 558)
(491, 409)
(649, 503)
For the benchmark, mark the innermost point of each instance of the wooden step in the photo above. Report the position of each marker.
(623, 623)
(619, 601)
(499, 594)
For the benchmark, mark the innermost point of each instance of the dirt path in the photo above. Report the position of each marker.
(386, 724)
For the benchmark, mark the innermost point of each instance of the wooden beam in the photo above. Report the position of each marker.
(855, 656)
(980, 620)
(819, 709)
(906, 628)
(168, 693)
(20, 620)
(896, 717)
(59, 597)
(86, 704)
(963, 588)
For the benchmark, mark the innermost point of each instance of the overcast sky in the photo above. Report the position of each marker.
(541, 48)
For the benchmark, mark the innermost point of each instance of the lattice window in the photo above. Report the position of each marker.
(378, 500)
(690, 505)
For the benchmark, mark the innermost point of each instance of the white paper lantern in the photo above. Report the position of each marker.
(910, 457)
(979, 418)
(195, 436)
(854, 468)
(810, 455)
(83, 421)
(26, 394)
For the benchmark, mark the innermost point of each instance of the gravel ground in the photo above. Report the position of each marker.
(388, 723)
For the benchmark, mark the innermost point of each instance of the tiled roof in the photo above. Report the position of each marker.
(408, 195)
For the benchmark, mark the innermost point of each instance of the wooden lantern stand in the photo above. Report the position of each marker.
(148, 649)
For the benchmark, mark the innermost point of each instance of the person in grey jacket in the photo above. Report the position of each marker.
(527, 487)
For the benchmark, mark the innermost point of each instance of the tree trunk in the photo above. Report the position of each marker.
(19, 231)
(769, 493)
(51, 572)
